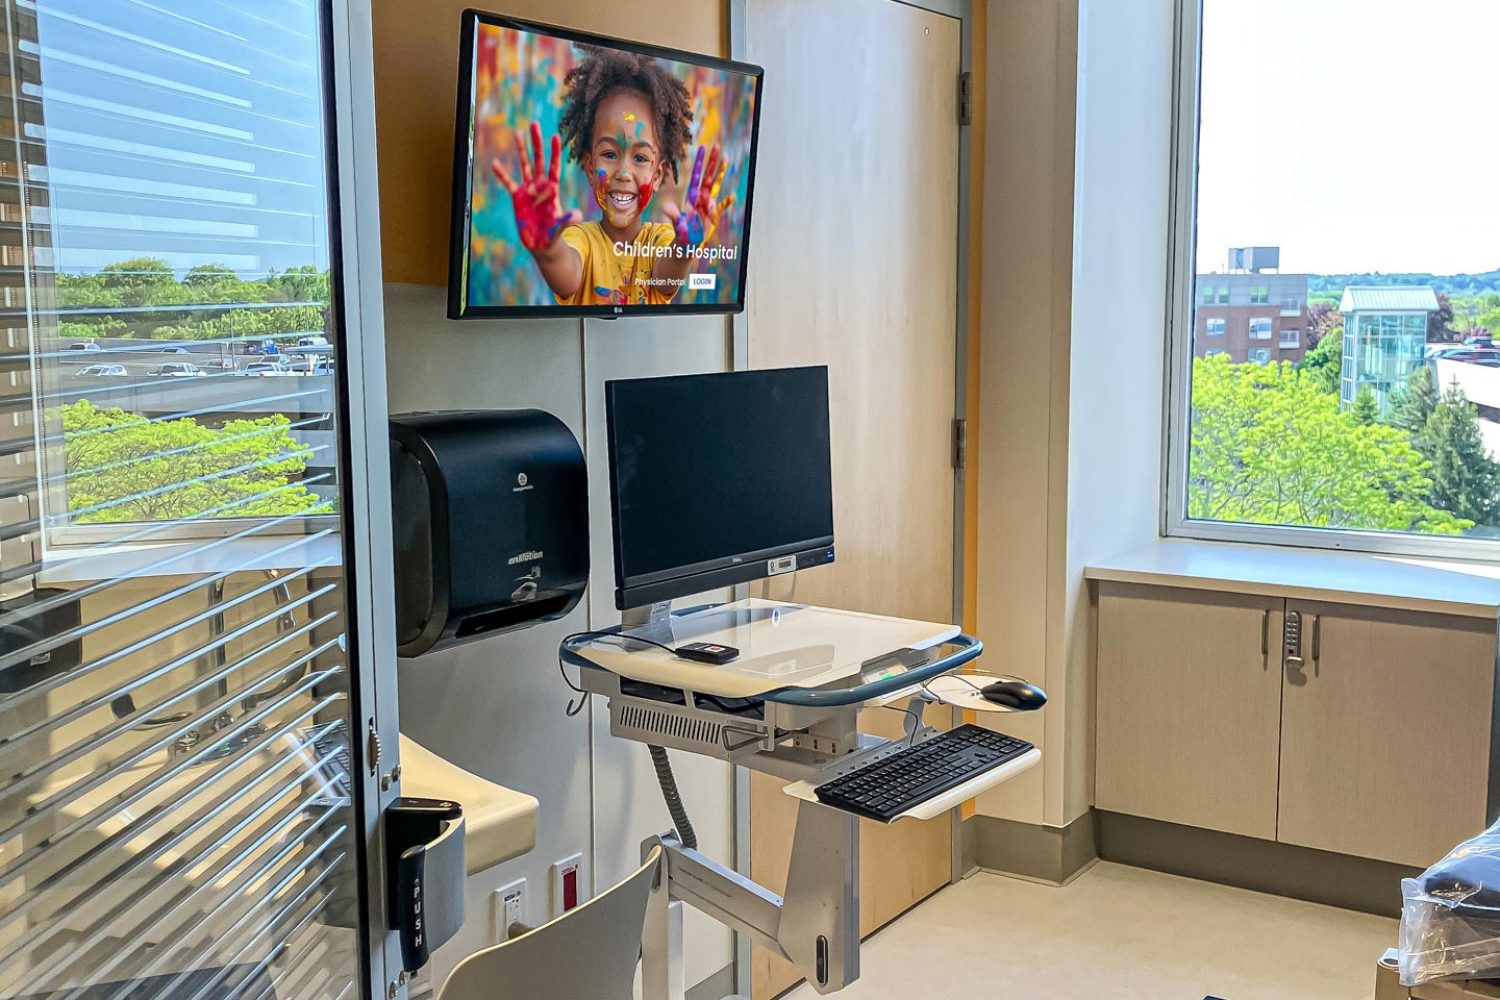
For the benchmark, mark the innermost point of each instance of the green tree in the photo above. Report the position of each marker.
(1465, 479)
(299, 284)
(1366, 409)
(1413, 402)
(1324, 364)
(125, 467)
(141, 281)
(1270, 446)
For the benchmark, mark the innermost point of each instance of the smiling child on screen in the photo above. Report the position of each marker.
(627, 121)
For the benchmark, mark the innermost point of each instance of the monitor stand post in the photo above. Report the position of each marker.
(647, 614)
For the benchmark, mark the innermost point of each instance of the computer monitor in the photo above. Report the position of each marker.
(717, 480)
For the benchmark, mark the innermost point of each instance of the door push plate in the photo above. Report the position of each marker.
(1291, 640)
(425, 873)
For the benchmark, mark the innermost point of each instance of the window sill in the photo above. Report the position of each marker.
(1408, 583)
(72, 565)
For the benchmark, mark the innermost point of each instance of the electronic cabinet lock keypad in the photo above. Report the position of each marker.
(1291, 640)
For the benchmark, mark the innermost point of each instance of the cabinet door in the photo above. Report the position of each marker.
(1189, 698)
(1386, 732)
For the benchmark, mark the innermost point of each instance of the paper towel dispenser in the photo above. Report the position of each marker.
(490, 512)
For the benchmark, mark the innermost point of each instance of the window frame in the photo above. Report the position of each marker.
(1181, 327)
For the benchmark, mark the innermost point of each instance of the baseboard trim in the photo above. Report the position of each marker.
(1045, 853)
(715, 987)
(1261, 865)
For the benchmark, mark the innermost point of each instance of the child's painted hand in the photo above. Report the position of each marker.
(539, 214)
(699, 216)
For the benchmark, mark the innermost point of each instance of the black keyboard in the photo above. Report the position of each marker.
(904, 780)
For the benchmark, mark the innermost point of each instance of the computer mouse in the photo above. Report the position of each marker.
(1018, 695)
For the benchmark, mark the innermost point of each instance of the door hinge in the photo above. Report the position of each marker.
(966, 98)
(960, 443)
(372, 749)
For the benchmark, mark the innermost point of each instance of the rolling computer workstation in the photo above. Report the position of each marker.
(716, 481)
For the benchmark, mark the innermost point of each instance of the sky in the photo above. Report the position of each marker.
(1357, 135)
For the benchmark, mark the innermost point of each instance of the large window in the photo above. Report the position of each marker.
(1377, 433)
(178, 267)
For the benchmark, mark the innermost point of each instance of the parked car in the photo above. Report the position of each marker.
(312, 341)
(172, 349)
(84, 345)
(178, 369)
(1480, 340)
(101, 371)
(258, 368)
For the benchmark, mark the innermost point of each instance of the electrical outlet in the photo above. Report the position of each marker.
(507, 909)
(567, 884)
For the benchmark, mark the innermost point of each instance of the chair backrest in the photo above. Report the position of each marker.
(588, 953)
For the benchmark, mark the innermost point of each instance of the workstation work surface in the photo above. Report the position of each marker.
(780, 645)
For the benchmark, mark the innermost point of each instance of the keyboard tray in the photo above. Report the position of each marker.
(933, 807)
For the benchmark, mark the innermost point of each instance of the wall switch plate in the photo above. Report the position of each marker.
(567, 884)
(507, 909)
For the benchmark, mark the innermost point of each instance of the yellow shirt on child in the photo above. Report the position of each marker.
(611, 278)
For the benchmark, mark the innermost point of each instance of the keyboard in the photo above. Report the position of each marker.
(886, 788)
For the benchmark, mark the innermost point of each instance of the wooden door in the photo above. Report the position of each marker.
(1385, 743)
(854, 264)
(1189, 699)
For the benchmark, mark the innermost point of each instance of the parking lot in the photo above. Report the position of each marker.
(145, 358)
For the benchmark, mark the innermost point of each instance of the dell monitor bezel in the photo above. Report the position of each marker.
(645, 589)
(460, 221)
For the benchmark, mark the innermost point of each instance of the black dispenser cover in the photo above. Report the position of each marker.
(490, 511)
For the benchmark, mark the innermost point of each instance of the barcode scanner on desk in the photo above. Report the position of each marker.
(1015, 694)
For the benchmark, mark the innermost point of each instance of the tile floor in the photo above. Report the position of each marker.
(1118, 933)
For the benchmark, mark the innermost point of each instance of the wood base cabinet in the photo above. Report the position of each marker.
(1353, 729)
(1386, 732)
(1189, 696)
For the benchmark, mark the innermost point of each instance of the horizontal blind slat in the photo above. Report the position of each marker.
(22, 781)
(82, 874)
(154, 783)
(127, 684)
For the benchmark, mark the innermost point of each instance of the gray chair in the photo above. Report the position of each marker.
(588, 953)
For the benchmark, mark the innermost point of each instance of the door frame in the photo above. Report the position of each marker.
(368, 559)
(739, 353)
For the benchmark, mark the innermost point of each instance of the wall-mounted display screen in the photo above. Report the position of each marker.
(598, 177)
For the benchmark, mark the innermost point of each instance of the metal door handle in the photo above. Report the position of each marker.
(1265, 638)
(1317, 642)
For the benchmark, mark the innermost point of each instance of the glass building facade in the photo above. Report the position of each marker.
(1380, 351)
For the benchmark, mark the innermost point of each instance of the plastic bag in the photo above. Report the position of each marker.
(1450, 915)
